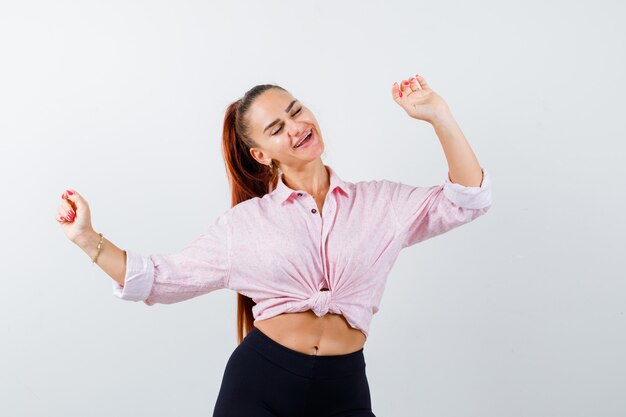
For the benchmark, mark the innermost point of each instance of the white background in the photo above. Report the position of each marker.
(519, 313)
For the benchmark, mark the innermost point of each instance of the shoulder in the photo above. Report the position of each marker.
(252, 208)
(246, 207)
(373, 187)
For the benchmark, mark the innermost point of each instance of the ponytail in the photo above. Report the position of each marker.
(247, 177)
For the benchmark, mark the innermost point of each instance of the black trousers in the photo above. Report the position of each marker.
(266, 379)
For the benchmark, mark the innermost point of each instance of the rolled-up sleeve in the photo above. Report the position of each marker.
(469, 197)
(138, 279)
(202, 266)
(428, 211)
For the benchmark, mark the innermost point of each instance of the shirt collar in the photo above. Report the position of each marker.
(283, 192)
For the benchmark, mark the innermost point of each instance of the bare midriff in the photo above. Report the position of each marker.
(307, 333)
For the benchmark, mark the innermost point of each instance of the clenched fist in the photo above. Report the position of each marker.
(73, 215)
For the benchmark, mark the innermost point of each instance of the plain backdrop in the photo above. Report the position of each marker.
(519, 313)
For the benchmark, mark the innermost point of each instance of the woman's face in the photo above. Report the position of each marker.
(277, 123)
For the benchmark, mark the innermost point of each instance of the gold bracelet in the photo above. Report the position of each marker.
(93, 260)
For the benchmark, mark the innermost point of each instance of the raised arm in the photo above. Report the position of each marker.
(420, 102)
(424, 212)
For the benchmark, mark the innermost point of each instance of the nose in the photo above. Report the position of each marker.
(298, 129)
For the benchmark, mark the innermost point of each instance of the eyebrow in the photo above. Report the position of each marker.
(278, 120)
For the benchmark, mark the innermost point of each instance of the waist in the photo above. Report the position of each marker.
(307, 333)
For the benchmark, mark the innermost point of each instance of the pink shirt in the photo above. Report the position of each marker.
(280, 252)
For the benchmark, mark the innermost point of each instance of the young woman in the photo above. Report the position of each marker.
(307, 252)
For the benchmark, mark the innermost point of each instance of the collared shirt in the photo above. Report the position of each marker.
(285, 255)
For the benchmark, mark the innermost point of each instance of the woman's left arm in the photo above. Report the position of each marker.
(420, 102)
(423, 212)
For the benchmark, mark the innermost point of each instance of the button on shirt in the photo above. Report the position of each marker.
(281, 252)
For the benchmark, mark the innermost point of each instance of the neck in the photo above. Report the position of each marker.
(312, 178)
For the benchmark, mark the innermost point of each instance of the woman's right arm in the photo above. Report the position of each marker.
(201, 266)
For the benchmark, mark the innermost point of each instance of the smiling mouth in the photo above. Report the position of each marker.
(305, 139)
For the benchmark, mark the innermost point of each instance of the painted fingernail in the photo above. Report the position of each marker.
(406, 82)
(400, 93)
(63, 195)
(70, 192)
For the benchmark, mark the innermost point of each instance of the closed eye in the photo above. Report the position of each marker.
(279, 129)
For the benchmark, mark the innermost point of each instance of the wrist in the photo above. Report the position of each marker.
(87, 241)
(442, 118)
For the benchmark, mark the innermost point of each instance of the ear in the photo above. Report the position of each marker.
(260, 156)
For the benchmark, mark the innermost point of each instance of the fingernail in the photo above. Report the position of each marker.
(70, 192)
(63, 195)
(406, 82)
(400, 93)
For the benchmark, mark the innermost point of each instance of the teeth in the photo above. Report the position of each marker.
(304, 138)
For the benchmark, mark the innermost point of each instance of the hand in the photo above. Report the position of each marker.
(73, 215)
(418, 100)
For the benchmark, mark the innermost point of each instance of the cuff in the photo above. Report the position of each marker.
(138, 279)
(469, 197)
